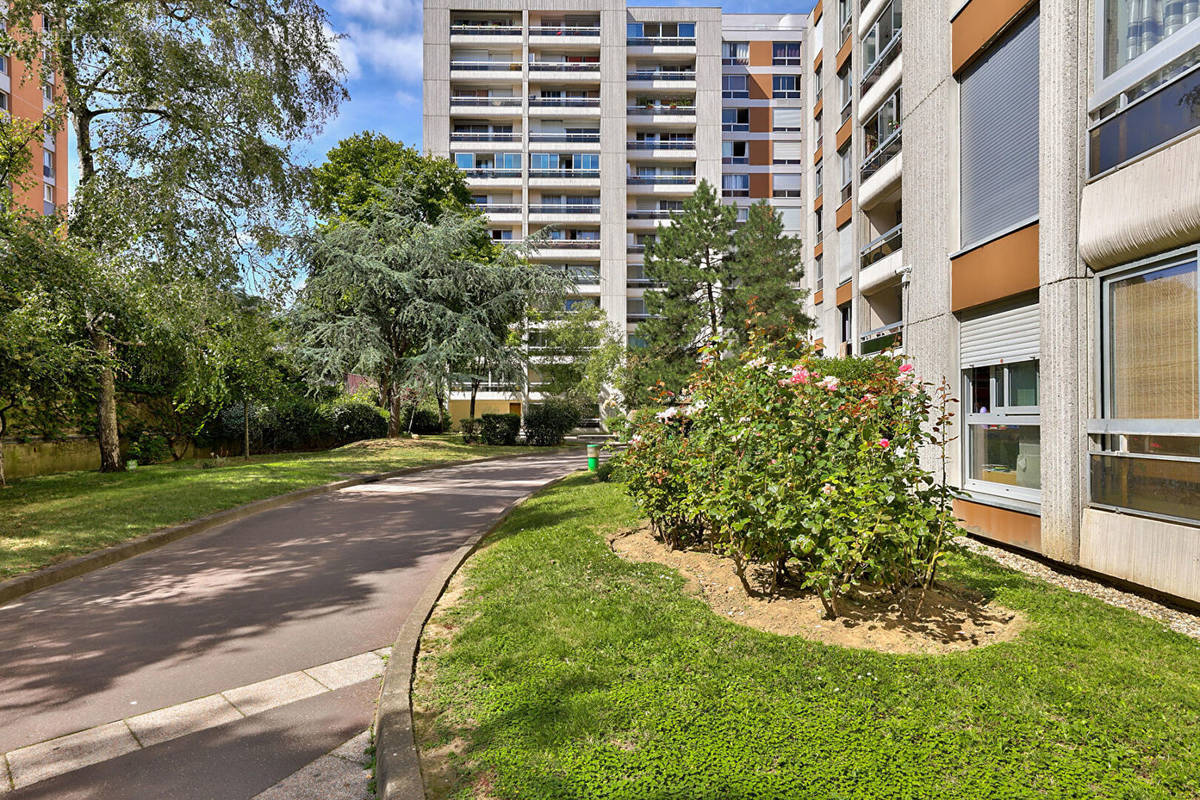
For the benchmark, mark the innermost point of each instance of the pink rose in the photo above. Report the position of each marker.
(801, 375)
(884, 443)
(906, 368)
(827, 489)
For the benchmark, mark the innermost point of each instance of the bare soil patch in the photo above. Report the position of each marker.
(952, 619)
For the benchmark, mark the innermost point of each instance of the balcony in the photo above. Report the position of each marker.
(670, 111)
(488, 102)
(661, 41)
(647, 144)
(888, 337)
(564, 208)
(564, 173)
(873, 73)
(881, 261)
(565, 31)
(881, 155)
(565, 66)
(568, 138)
(484, 66)
(570, 244)
(460, 136)
(492, 172)
(662, 75)
(485, 30)
(498, 208)
(660, 180)
(649, 213)
(890, 242)
(565, 102)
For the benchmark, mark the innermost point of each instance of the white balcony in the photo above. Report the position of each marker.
(667, 80)
(661, 184)
(881, 90)
(661, 115)
(881, 179)
(564, 212)
(491, 107)
(566, 249)
(881, 261)
(564, 36)
(564, 72)
(486, 34)
(564, 107)
(661, 151)
(484, 70)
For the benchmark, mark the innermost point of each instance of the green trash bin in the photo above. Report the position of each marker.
(593, 457)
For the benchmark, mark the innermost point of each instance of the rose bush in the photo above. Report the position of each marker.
(808, 465)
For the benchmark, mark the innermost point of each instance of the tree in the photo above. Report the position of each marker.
(577, 354)
(182, 114)
(691, 259)
(398, 293)
(364, 169)
(767, 294)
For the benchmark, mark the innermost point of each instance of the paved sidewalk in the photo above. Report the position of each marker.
(242, 652)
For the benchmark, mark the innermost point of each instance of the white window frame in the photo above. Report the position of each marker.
(1019, 416)
(1107, 89)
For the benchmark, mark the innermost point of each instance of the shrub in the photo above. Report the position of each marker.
(774, 460)
(425, 421)
(500, 429)
(472, 430)
(149, 448)
(547, 423)
(352, 420)
(604, 472)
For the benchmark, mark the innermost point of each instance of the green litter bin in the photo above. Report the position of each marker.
(593, 457)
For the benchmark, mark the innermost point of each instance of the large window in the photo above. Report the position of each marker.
(735, 185)
(735, 119)
(1131, 30)
(735, 53)
(785, 86)
(1146, 454)
(734, 86)
(878, 40)
(999, 137)
(786, 54)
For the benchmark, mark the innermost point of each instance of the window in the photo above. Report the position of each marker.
(786, 54)
(48, 164)
(819, 273)
(785, 86)
(4, 65)
(845, 90)
(820, 227)
(787, 152)
(1132, 30)
(735, 53)
(844, 16)
(847, 253)
(818, 179)
(48, 205)
(734, 153)
(882, 124)
(734, 86)
(998, 137)
(48, 92)
(999, 348)
(846, 160)
(1146, 453)
(787, 120)
(735, 185)
(4, 103)
(845, 329)
(878, 41)
(660, 30)
(743, 213)
(788, 184)
(735, 119)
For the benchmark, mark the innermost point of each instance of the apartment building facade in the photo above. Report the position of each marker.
(23, 94)
(589, 122)
(1047, 267)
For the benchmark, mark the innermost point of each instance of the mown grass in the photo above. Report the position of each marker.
(573, 674)
(48, 518)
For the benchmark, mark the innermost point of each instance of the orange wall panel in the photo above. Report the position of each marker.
(819, 250)
(760, 152)
(979, 22)
(844, 133)
(760, 54)
(845, 293)
(818, 298)
(818, 155)
(1002, 268)
(760, 184)
(760, 119)
(25, 101)
(820, 203)
(818, 61)
(844, 54)
(844, 212)
(760, 87)
(1010, 527)
(818, 108)
(817, 11)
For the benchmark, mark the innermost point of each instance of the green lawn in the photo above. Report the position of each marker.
(51, 517)
(574, 674)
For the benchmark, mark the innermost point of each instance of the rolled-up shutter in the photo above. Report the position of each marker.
(846, 254)
(999, 136)
(793, 218)
(790, 181)
(789, 151)
(1000, 335)
(788, 119)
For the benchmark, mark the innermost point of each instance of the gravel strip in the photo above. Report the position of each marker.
(1185, 622)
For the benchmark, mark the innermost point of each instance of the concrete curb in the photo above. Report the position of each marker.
(22, 585)
(397, 765)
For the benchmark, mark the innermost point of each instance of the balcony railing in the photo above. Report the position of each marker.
(674, 144)
(649, 180)
(491, 102)
(887, 337)
(681, 111)
(485, 66)
(564, 30)
(661, 75)
(572, 244)
(564, 173)
(463, 136)
(735, 127)
(735, 192)
(890, 52)
(635, 247)
(735, 94)
(564, 66)
(644, 41)
(735, 159)
(565, 137)
(649, 213)
(492, 172)
(498, 208)
(787, 192)
(485, 30)
(890, 242)
(787, 61)
(881, 155)
(564, 208)
(566, 102)
(786, 94)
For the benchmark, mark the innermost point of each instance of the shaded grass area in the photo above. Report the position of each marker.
(574, 674)
(48, 518)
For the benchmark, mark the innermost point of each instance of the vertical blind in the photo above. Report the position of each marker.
(999, 136)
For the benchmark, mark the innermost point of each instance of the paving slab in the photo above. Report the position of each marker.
(348, 671)
(156, 727)
(73, 751)
(273, 692)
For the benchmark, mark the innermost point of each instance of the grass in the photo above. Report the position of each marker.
(572, 674)
(49, 518)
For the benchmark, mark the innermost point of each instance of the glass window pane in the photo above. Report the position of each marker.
(1163, 445)
(1153, 485)
(979, 390)
(1153, 355)
(1006, 454)
(1023, 384)
(1134, 27)
(464, 160)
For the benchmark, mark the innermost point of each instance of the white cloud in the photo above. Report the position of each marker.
(407, 98)
(392, 13)
(398, 54)
(347, 52)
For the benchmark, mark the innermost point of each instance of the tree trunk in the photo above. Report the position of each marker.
(110, 441)
(474, 391)
(3, 482)
(246, 430)
(3, 430)
(393, 415)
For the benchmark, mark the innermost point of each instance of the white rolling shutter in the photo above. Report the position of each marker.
(787, 180)
(787, 119)
(999, 136)
(1000, 336)
(793, 218)
(846, 254)
(788, 151)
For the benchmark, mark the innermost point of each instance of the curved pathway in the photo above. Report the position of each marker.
(256, 644)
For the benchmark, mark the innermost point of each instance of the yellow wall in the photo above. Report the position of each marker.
(460, 408)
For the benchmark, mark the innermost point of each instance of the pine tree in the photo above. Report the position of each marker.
(766, 293)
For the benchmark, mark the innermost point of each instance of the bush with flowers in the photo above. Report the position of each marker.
(809, 466)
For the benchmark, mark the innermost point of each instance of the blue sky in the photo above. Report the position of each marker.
(382, 53)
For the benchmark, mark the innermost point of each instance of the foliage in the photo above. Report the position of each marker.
(46, 518)
(605, 471)
(353, 419)
(297, 422)
(769, 265)
(472, 430)
(546, 423)
(692, 259)
(500, 429)
(363, 169)
(425, 421)
(772, 462)
(571, 673)
(579, 353)
(148, 448)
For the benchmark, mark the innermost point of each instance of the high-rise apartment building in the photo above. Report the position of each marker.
(1047, 158)
(595, 121)
(23, 94)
